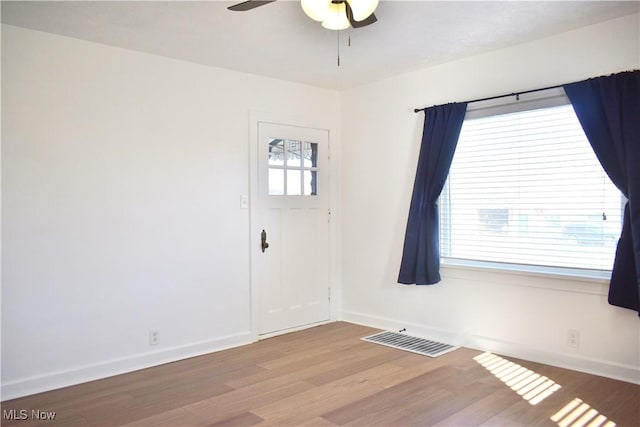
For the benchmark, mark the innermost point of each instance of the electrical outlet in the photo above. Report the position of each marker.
(154, 337)
(573, 338)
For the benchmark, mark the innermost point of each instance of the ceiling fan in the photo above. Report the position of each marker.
(334, 14)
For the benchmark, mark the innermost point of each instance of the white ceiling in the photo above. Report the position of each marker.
(278, 40)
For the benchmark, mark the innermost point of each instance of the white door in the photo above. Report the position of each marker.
(291, 275)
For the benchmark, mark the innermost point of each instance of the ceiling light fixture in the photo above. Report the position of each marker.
(335, 14)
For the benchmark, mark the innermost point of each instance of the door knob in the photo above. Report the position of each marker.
(263, 241)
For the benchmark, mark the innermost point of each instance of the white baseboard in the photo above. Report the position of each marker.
(290, 330)
(604, 368)
(414, 329)
(55, 380)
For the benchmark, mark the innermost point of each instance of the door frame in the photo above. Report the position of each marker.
(255, 118)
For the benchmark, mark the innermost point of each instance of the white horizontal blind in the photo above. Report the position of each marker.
(526, 188)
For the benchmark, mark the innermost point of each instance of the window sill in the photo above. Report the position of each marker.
(568, 280)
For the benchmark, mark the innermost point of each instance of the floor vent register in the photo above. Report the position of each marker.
(409, 343)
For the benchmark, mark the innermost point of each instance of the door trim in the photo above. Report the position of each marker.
(255, 118)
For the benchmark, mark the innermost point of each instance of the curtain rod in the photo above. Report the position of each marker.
(516, 94)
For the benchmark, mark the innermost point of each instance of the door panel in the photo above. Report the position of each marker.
(292, 274)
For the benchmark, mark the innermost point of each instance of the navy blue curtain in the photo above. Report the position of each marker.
(421, 253)
(609, 111)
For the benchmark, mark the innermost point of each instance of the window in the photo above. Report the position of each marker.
(526, 188)
(293, 167)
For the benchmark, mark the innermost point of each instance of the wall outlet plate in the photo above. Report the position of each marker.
(573, 338)
(154, 337)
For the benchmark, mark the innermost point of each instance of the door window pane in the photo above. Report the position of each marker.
(293, 183)
(310, 154)
(276, 152)
(276, 182)
(293, 153)
(310, 185)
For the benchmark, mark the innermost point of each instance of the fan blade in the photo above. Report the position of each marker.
(368, 21)
(358, 24)
(248, 5)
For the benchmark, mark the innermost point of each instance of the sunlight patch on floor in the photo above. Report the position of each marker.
(532, 387)
(579, 414)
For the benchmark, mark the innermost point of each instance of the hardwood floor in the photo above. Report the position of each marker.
(327, 376)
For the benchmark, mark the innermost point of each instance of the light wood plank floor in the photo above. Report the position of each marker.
(326, 376)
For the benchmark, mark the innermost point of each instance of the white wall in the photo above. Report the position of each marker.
(515, 314)
(121, 181)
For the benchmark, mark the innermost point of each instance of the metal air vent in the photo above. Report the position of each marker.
(409, 343)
